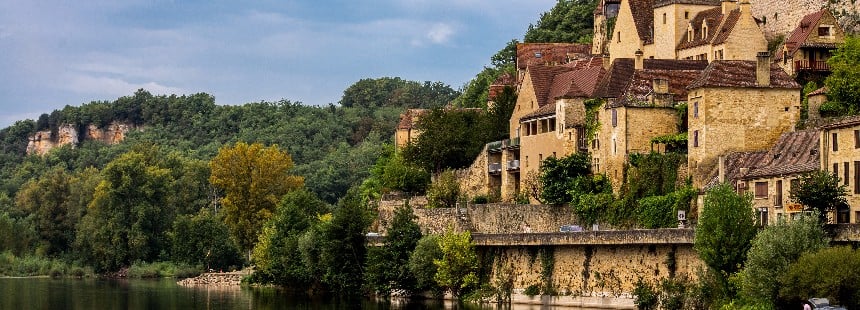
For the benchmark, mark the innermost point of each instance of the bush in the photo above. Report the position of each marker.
(831, 273)
(480, 199)
(445, 191)
(532, 290)
(646, 296)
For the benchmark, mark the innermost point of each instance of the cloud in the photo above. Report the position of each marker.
(440, 33)
(117, 87)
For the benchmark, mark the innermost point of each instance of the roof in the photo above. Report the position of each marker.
(801, 33)
(643, 18)
(542, 80)
(719, 28)
(529, 54)
(499, 85)
(617, 81)
(641, 86)
(662, 3)
(741, 73)
(546, 110)
(564, 84)
(409, 118)
(820, 91)
(794, 153)
(843, 122)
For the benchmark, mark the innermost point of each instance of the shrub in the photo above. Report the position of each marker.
(831, 273)
(445, 191)
(532, 290)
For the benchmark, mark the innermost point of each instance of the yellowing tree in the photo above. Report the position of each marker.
(254, 178)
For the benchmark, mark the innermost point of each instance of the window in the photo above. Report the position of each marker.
(689, 35)
(614, 147)
(760, 190)
(762, 216)
(619, 36)
(686, 15)
(695, 109)
(695, 138)
(857, 139)
(777, 200)
(704, 32)
(845, 174)
(835, 143)
(553, 154)
(824, 31)
(664, 18)
(615, 118)
(857, 177)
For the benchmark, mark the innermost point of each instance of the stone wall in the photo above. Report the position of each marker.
(592, 270)
(475, 180)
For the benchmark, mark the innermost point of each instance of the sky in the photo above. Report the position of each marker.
(55, 53)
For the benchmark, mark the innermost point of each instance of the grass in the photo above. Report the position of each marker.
(34, 266)
(163, 270)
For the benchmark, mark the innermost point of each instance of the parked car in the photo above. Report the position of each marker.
(569, 228)
(823, 303)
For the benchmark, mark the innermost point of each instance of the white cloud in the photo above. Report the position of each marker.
(88, 84)
(440, 33)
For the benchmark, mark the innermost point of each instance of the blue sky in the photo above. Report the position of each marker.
(57, 53)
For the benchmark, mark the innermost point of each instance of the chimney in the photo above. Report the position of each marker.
(639, 62)
(727, 6)
(762, 71)
(746, 11)
(660, 86)
(606, 62)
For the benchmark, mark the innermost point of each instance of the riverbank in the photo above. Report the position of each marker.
(216, 279)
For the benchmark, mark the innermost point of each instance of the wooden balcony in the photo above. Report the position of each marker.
(807, 65)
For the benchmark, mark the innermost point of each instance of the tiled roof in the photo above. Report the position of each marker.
(661, 3)
(794, 153)
(801, 33)
(820, 91)
(499, 85)
(529, 54)
(740, 73)
(542, 80)
(843, 122)
(643, 18)
(641, 86)
(719, 28)
(619, 80)
(546, 110)
(409, 117)
(586, 62)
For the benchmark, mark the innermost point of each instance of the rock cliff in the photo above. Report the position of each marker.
(44, 141)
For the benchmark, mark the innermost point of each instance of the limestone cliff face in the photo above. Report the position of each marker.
(44, 141)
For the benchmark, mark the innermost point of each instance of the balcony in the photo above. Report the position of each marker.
(495, 168)
(513, 143)
(513, 165)
(809, 65)
(495, 147)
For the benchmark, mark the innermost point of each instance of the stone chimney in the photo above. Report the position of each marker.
(727, 6)
(762, 70)
(746, 9)
(607, 62)
(660, 86)
(639, 62)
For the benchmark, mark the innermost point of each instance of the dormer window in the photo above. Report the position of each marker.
(704, 31)
(824, 31)
(689, 34)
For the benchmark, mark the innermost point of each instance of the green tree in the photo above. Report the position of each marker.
(445, 191)
(398, 174)
(254, 178)
(772, 251)
(128, 218)
(569, 21)
(843, 84)
(277, 254)
(449, 139)
(388, 268)
(48, 199)
(203, 239)
(421, 263)
(726, 229)
(830, 273)
(457, 269)
(343, 251)
(819, 190)
(559, 175)
(500, 113)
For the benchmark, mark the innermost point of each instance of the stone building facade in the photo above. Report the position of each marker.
(840, 154)
(811, 44)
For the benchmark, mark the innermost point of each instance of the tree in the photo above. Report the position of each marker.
(819, 190)
(343, 250)
(558, 175)
(445, 192)
(398, 174)
(772, 251)
(726, 229)
(569, 21)
(843, 84)
(254, 178)
(277, 253)
(457, 269)
(500, 113)
(830, 273)
(48, 199)
(389, 267)
(128, 218)
(203, 239)
(449, 139)
(421, 262)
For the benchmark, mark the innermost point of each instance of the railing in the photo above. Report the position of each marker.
(513, 143)
(495, 168)
(514, 164)
(811, 65)
(495, 146)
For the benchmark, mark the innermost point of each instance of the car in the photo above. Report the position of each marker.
(569, 228)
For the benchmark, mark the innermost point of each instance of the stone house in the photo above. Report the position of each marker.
(737, 106)
(605, 14)
(407, 128)
(641, 96)
(807, 49)
(726, 32)
(548, 54)
(840, 154)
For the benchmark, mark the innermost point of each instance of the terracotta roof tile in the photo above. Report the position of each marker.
(643, 18)
(740, 73)
(661, 3)
(799, 35)
(794, 153)
(504, 80)
(726, 27)
(530, 54)
(409, 118)
(619, 81)
(546, 110)
(641, 86)
(542, 79)
(820, 91)
(843, 122)
(720, 26)
(733, 164)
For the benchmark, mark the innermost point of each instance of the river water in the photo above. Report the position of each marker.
(45, 293)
